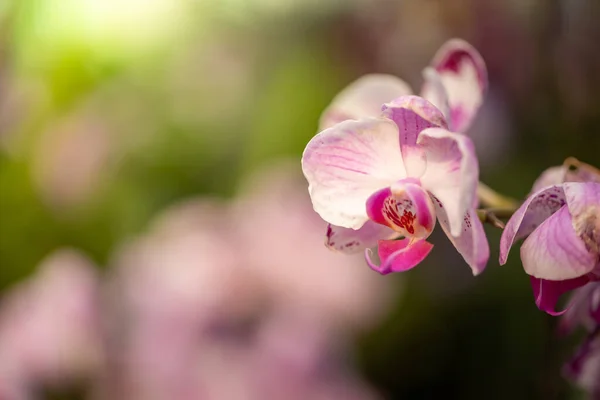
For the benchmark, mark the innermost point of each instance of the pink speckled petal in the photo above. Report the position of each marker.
(547, 293)
(463, 74)
(399, 255)
(472, 242)
(555, 252)
(571, 236)
(452, 173)
(405, 207)
(345, 164)
(351, 241)
(363, 98)
(413, 114)
(535, 210)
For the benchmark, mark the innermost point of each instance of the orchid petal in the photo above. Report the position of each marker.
(405, 207)
(555, 252)
(452, 173)
(345, 164)
(351, 241)
(537, 208)
(436, 93)
(413, 114)
(547, 292)
(399, 255)
(583, 200)
(464, 76)
(363, 98)
(472, 242)
(560, 174)
(551, 176)
(578, 171)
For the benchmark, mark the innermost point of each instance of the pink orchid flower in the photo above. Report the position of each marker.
(375, 179)
(561, 224)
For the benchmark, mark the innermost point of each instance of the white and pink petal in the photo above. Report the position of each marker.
(554, 251)
(347, 163)
(352, 241)
(583, 200)
(472, 242)
(535, 210)
(363, 98)
(463, 74)
(435, 92)
(452, 173)
(413, 114)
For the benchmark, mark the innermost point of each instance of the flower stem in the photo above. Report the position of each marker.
(496, 206)
(490, 198)
(494, 216)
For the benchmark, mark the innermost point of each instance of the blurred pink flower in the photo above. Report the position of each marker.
(167, 288)
(236, 302)
(214, 302)
(49, 327)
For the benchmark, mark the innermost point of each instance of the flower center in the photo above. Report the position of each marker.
(404, 207)
(391, 211)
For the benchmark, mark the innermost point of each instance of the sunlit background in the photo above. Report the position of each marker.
(156, 235)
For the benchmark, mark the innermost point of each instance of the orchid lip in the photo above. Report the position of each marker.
(404, 207)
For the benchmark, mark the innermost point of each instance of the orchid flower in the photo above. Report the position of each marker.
(561, 224)
(375, 179)
(248, 329)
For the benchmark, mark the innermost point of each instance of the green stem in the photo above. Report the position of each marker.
(489, 198)
(496, 207)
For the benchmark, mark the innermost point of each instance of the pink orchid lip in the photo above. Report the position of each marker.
(404, 207)
(399, 255)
